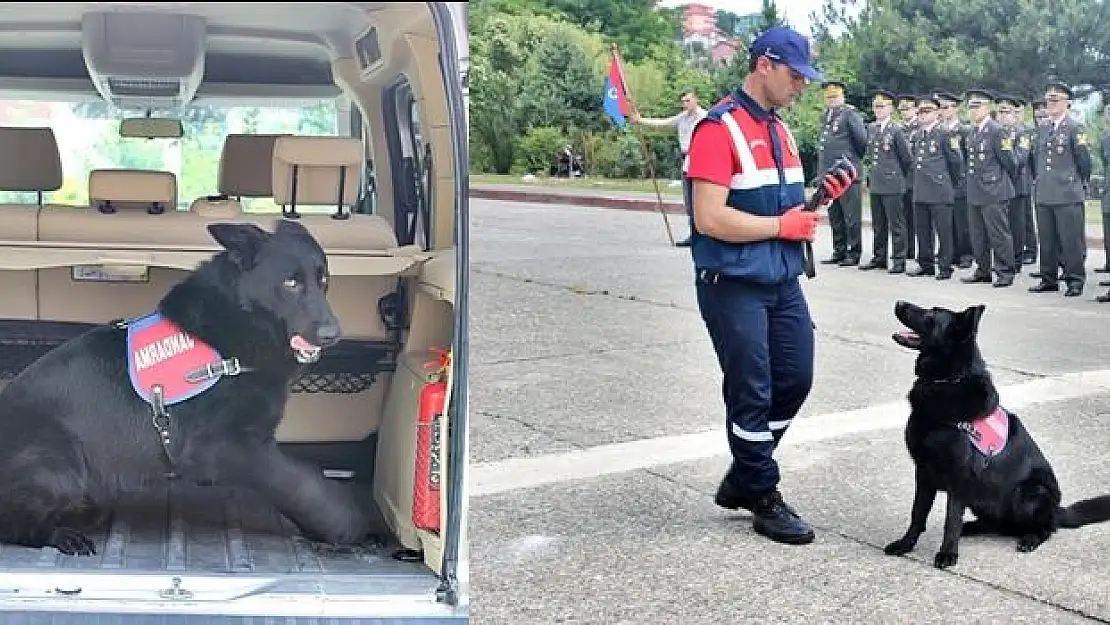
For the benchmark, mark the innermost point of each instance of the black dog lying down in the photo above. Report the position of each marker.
(76, 426)
(964, 443)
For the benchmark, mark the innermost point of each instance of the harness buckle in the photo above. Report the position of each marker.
(160, 419)
(969, 429)
(230, 366)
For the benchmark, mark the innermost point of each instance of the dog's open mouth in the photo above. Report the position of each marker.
(304, 351)
(907, 338)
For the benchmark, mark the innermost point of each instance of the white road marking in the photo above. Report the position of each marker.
(514, 473)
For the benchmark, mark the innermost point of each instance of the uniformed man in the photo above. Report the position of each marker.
(748, 230)
(889, 163)
(950, 121)
(991, 166)
(1063, 171)
(907, 110)
(1104, 154)
(843, 134)
(1031, 243)
(936, 172)
(1010, 115)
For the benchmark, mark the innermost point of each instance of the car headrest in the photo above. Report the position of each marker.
(111, 190)
(29, 160)
(318, 171)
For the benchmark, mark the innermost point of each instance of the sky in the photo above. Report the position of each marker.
(795, 11)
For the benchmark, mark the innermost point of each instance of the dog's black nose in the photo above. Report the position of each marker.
(328, 333)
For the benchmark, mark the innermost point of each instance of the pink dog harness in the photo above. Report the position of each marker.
(989, 433)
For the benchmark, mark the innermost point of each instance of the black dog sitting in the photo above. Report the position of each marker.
(964, 443)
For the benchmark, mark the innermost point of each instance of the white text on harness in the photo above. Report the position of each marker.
(162, 350)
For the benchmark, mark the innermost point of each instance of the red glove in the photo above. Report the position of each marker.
(798, 225)
(836, 181)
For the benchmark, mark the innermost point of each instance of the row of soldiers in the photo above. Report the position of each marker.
(979, 187)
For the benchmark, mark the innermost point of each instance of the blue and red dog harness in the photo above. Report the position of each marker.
(989, 433)
(167, 365)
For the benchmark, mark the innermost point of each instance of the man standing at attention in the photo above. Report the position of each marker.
(1010, 116)
(889, 163)
(937, 171)
(991, 169)
(843, 134)
(1063, 171)
(949, 115)
(907, 109)
(685, 121)
(747, 232)
(1104, 154)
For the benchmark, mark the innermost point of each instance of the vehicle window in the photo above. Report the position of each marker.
(88, 138)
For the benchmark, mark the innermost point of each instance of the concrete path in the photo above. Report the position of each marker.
(597, 442)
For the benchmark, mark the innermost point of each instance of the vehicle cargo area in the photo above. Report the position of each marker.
(333, 115)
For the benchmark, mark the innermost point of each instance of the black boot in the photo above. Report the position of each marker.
(778, 521)
(732, 498)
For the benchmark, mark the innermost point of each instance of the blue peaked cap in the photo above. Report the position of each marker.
(786, 45)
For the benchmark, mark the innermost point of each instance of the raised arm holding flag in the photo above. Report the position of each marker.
(617, 104)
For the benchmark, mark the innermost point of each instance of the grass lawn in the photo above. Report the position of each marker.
(603, 184)
(1094, 212)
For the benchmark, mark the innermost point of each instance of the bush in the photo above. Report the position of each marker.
(539, 150)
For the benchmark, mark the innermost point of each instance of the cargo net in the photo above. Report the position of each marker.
(349, 367)
(16, 354)
(352, 366)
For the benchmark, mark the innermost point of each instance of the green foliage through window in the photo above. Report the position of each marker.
(88, 138)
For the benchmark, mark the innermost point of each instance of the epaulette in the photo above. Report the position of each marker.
(719, 109)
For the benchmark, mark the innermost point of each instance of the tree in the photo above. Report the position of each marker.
(919, 45)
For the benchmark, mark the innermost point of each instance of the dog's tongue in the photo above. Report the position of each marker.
(304, 351)
(907, 334)
(299, 343)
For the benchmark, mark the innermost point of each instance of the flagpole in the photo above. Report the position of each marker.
(648, 155)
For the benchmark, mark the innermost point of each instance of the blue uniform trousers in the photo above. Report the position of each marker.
(763, 336)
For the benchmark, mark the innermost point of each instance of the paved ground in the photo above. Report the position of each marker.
(555, 193)
(597, 442)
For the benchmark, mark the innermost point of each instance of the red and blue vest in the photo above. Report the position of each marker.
(771, 180)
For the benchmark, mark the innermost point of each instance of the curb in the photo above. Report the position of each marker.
(670, 207)
(598, 201)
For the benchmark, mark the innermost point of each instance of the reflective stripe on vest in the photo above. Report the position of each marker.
(751, 175)
(756, 190)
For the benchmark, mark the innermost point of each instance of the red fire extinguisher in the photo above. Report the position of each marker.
(427, 482)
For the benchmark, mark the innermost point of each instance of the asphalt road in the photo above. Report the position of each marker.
(597, 442)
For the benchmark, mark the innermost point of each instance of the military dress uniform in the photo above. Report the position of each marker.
(843, 133)
(962, 250)
(1063, 170)
(991, 165)
(936, 172)
(1104, 154)
(907, 107)
(889, 163)
(1034, 129)
(1023, 138)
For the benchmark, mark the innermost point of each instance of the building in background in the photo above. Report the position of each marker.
(712, 38)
